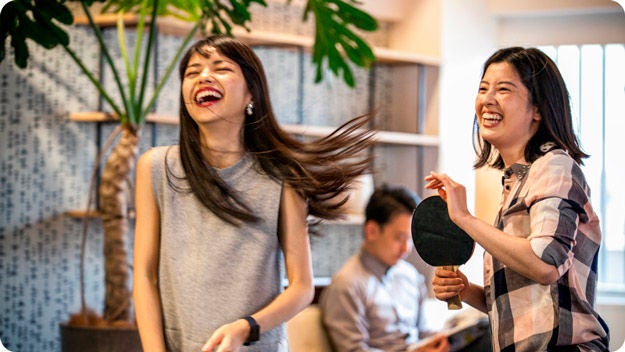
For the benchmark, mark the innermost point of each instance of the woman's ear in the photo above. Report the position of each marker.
(537, 116)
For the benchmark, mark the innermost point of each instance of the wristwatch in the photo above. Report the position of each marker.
(254, 331)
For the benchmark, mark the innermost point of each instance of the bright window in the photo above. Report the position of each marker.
(595, 78)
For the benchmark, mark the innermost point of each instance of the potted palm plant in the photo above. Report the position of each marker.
(45, 22)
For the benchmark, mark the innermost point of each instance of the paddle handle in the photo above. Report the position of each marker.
(453, 303)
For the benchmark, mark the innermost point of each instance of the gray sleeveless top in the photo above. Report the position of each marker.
(210, 272)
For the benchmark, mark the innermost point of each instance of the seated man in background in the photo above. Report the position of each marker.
(374, 302)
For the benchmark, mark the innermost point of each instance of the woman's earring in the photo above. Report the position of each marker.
(249, 108)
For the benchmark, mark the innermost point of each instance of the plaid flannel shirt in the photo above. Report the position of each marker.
(548, 203)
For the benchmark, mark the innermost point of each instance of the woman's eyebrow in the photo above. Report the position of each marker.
(499, 83)
(222, 61)
(194, 65)
(510, 83)
(213, 63)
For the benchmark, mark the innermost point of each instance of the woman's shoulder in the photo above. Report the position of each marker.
(557, 174)
(556, 162)
(158, 154)
(162, 150)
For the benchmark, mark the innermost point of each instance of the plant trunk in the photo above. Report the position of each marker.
(114, 192)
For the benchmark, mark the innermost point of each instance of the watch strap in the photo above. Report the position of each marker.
(254, 331)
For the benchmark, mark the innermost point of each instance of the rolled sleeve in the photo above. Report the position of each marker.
(554, 227)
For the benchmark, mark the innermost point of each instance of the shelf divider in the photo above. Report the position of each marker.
(383, 137)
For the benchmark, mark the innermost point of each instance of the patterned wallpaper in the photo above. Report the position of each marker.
(46, 161)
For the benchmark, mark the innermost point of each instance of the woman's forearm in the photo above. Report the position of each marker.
(285, 306)
(148, 314)
(515, 252)
(474, 296)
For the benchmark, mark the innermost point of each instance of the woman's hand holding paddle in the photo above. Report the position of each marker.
(452, 192)
(447, 284)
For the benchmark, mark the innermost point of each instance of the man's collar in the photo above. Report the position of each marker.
(373, 264)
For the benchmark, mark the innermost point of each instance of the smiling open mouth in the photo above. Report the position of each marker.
(492, 117)
(206, 97)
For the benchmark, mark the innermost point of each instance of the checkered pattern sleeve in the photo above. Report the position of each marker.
(560, 212)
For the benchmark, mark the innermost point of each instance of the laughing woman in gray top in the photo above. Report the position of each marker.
(215, 212)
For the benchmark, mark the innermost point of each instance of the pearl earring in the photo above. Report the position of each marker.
(249, 108)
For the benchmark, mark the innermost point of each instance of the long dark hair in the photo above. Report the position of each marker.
(548, 93)
(320, 171)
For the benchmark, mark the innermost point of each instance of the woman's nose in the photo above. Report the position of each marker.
(488, 98)
(206, 75)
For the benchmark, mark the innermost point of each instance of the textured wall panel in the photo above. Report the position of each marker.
(45, 165)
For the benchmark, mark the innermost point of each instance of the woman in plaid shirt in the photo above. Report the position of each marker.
(540, 264)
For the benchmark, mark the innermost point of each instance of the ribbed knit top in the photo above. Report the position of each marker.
(211, 272)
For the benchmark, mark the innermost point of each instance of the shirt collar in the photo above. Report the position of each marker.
(373, 264)
(519, 170)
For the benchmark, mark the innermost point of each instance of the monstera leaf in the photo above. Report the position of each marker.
(21, 20)
(333, 21)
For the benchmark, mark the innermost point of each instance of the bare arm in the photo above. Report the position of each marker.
(296, 248)
(295, 245)
(146, 252)
(515, 252)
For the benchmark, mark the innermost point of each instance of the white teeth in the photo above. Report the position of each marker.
(489, 116)
(206, 95)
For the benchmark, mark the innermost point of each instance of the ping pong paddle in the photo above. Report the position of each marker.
(438, 240)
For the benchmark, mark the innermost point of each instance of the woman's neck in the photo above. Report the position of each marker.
(510, 157)
(223, 147)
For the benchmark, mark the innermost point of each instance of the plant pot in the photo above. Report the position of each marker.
(99, 339)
